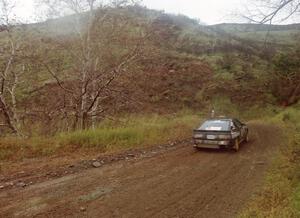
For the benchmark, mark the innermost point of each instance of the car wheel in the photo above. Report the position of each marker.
(236, 145)
(247, 138)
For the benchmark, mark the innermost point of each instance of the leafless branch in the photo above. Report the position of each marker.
(58, 81)
(268, 10)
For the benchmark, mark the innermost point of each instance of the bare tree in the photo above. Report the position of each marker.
(10, 72)
(104, 42)
(265, 11)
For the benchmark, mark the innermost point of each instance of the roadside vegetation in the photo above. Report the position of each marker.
(280, 195)
(109, 136)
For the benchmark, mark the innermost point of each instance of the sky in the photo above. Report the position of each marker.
(207, 11)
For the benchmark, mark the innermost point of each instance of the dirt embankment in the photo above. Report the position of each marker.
(176, 183)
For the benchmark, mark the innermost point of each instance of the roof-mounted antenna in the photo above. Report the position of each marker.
(212, 115)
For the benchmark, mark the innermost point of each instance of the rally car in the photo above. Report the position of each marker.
(221, 133)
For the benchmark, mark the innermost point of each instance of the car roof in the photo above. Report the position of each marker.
(222, 119)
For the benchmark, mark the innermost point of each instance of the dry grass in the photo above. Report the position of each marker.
(280, 196)
(129, 132)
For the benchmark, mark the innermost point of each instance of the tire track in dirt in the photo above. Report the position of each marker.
(178, 183)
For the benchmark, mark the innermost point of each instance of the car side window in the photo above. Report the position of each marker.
(233, 125)
(237, 124)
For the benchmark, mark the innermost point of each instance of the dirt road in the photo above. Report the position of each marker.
(177, 183)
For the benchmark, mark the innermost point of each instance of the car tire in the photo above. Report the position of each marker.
(236, 145)
(247, 138)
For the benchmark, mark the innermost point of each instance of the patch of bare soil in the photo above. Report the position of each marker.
(174, 181)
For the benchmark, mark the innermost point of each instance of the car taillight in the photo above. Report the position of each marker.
(224, 137)
(199, 135)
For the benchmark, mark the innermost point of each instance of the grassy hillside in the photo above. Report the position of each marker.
(182, 64)
(277, 34)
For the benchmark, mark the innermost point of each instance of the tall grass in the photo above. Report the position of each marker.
(129, 132)
(280, 196)
(132, 132)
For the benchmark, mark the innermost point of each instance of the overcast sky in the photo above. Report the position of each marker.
(208, 11)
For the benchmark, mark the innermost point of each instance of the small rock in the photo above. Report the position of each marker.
(21, 184)
(130, 155)
(96, 164)
(71, 166)
(1, 186)
(9, 184)
(82, 209)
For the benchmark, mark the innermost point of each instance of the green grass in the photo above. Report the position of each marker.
(296, 200)
(282, 37)
(280, 196)
(133, 131)
(129, 132)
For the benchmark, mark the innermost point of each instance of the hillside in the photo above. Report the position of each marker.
(180, 64)
(277, 34)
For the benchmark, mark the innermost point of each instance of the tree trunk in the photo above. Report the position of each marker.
(86, 67)
(8, 119)
(83, 120)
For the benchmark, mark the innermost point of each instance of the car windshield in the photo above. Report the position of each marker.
(216, 125)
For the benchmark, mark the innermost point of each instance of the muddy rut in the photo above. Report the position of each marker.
(178, 183)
